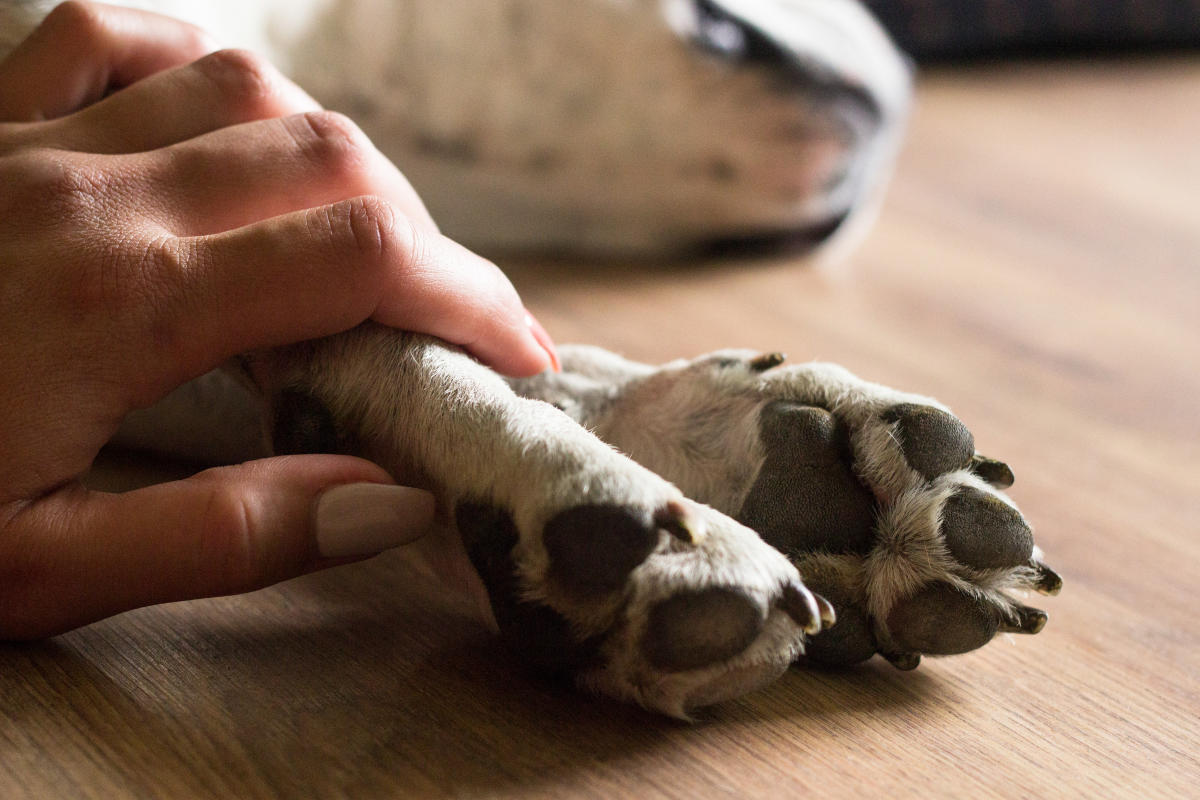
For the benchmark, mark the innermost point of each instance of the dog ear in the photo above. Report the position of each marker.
(302, 424)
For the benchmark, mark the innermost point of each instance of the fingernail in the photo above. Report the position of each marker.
(360, 519)
(543, 339)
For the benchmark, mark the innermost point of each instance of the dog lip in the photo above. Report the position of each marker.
(722, 32)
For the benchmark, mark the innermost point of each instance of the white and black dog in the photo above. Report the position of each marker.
(666, 571)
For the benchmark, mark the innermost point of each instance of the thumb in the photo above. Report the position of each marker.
(77, 556)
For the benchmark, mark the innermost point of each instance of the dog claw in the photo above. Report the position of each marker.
(802, 607)
(676, 520)
(1027, 620)
(766, 361)
(1049, 581)
(903, 661)
(997, 473)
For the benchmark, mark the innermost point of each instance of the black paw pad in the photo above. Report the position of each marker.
(942, 620)
(806, 496)
(934, 442)
(593, 548)
(848, 642)
(984, 532)
(535, 633)
(697, 629)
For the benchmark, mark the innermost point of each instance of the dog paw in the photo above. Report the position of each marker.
(877, 496)
(668, 604)
(883, 503)
(596, 569)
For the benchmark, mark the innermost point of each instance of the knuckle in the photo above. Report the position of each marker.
(244, 80)
(370, 228)
(54, 186)
(159, 285)
(226, 560)
(135, 291)
(333, 142)
(80, 20)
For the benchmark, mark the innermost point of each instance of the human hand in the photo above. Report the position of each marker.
(207, 208)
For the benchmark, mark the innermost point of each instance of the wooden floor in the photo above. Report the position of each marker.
(1036, 266)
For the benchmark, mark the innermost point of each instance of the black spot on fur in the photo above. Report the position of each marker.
(697, 629)
(536, 633)
(941, 620)
(593, 548)
(933, 441)
(984, 532)
(806, 496)
(302, 425)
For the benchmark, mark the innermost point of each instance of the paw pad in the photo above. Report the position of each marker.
(848, 642)
(984, 532)
(941, 620)
(806, 496)
(696, 629)
(934, 442)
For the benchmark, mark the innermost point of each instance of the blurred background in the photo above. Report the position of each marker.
(945, 30)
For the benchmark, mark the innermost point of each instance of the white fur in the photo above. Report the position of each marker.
(437, 419)
(585, 125)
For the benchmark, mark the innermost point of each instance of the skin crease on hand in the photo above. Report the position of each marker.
(136, 256)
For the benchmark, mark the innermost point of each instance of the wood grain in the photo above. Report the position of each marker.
(1036, 266)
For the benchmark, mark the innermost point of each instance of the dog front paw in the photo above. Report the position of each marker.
(596, 568)
(669, 604)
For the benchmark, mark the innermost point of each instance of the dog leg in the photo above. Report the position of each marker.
(596, 567)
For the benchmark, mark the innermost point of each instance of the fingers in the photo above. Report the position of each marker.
(449, 292)
(238, 175)
(78, 556)
(83, 50)
(320, 271)
(224, 88)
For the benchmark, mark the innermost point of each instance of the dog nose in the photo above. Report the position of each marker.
(720, 31)
(728, 35)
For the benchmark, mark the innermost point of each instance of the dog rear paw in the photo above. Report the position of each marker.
(883, 502)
